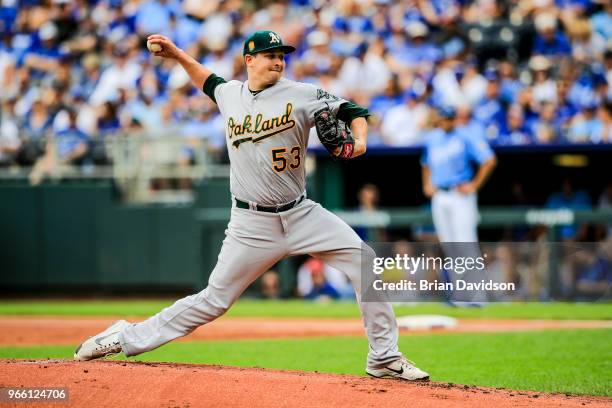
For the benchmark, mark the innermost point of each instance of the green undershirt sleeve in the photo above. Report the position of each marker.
(210, 84)
(349, 111)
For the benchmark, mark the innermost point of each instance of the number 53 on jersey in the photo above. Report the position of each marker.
(283, 157)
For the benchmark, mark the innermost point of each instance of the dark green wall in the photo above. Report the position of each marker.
(77, 234)
(57, 237)
(21, 262)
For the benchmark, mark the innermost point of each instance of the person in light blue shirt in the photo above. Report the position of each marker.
(587, 127)
(515, 131)
(153, 16)
(449, 178)
(354, 22)
(601, 23)
(68, 146)
(455, 165)
(490, 110)
(418, 49)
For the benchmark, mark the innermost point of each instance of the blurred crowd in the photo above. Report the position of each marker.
(517, 254)
(521, 71)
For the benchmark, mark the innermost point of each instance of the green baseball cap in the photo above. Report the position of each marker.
(263, 41)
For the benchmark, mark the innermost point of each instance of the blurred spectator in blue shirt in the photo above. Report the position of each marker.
(601, 23)
(8, 15)
(205, 125)
(546, 128)
(587, 127)
(418, 49)
(440, 12)
(318, 58)
(594, 275)
(184, 30)
(147, 112)
(453, 41)
(490, 111)
(153, 16)
(565, 108)
(352, 19)
(38, 121)
(149, 83)
(108, 120)
(570, 199)
(117, 21)
(381, 18)
(43, 54)
(368, 63)
(403, 124)
(68, 146)
(318, 281)
(549, 40)
(510, 84)
(397, 38)
(122, 73)
(89, 75)
(589, 84)
(391, 97)
(218, 60)
(71, 143)
(515, 131)
(411, 11)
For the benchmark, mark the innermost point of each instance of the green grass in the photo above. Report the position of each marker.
(552, 361)
(297, 308)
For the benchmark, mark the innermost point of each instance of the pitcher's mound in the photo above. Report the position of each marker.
(134, 384)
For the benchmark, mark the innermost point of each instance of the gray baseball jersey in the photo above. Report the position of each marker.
(267, 137)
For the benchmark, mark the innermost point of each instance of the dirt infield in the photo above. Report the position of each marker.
(24, 330)
(118, 384)
(137, 384)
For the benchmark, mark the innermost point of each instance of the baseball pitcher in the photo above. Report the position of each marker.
(267, 120)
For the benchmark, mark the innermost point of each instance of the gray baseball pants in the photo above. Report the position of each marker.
(254, 242)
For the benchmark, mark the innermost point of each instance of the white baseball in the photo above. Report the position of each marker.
(153, 47)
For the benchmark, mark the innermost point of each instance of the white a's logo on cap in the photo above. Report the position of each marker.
(274, 38)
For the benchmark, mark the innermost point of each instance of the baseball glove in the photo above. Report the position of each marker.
(334, 134)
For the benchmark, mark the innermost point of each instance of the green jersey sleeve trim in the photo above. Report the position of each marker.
(211, 83)
(349, 111)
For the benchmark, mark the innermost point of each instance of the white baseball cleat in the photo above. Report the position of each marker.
(102, 344)
(402, 369)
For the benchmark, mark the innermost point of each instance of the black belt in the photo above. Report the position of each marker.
(274, 209)
(447, 188)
